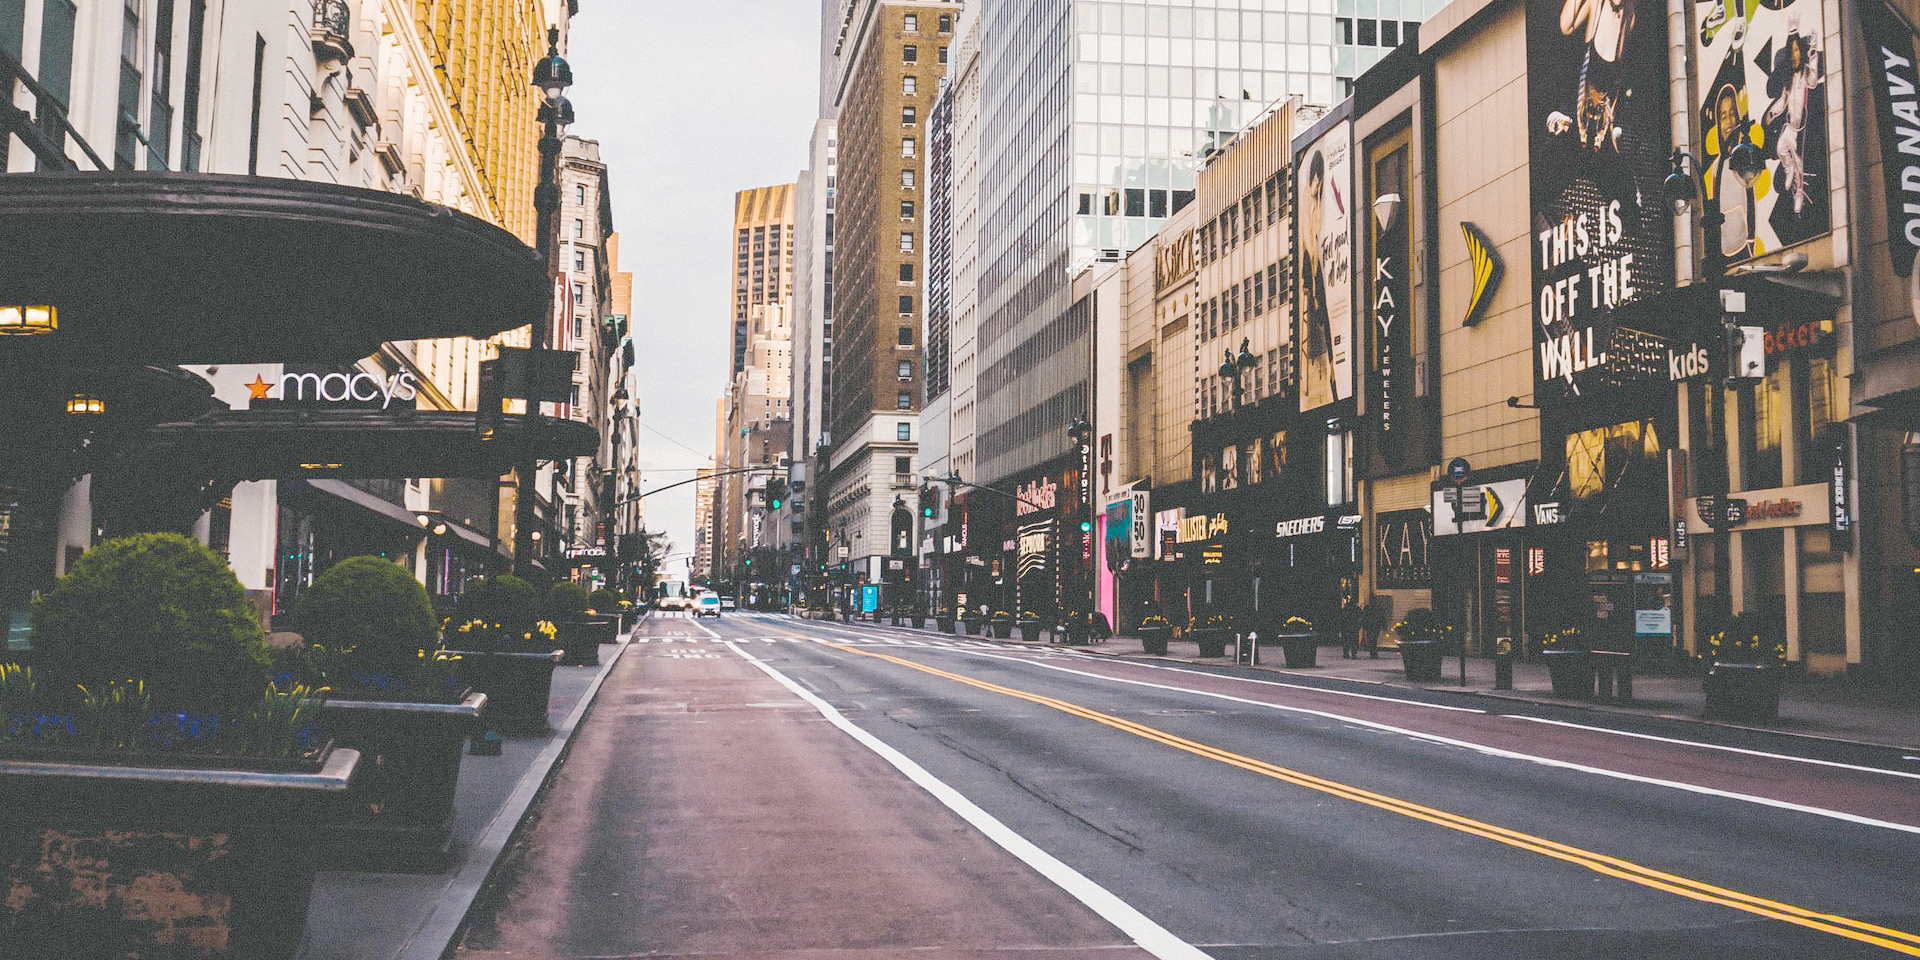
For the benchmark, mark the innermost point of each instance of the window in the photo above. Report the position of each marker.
(906, 179)
(906, 336)
(1344, 27)
(579, 228)
(1136, 202)
(1369, 32)
(909, 54)
(1389, 33)
(906, 209)
(943, 53)
(1157, 204)
(903, 401)
(906, 370)
(910, 23)
(946, 23)
(1086, 205)
(580, 293)
(906, 273)
(908, 148)
(906, 304)
(909, 86)
(580, 193)
(906, 241)
(579, 260)
(907, 116)
(903, 431)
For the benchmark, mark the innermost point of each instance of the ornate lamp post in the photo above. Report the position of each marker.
(552, 77)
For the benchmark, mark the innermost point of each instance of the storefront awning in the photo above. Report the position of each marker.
(280, 444)
(200, 268)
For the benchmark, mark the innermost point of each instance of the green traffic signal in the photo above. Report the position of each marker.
(1086, 526)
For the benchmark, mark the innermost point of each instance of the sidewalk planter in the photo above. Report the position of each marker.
(1002, 629)
(1571, 672)
(400, 818)
(1301, 649)
(517, 686)
(944, 624)
(580, 640)
(1744, 691)
(919, 621)
(1153, 640)
(1029, 630)
(1421, 658)
(1212, 640)
(973, 626)
(103, 860)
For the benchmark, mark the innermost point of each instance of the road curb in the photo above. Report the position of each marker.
(435, 938)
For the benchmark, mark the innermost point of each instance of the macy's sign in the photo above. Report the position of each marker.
(357, 388)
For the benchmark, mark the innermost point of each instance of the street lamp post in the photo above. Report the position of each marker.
(551, 76)
(1745, 161)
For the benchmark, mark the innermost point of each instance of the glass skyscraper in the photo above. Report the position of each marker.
(1096, 116)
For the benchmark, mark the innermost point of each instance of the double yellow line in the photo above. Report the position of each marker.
(1898, 941)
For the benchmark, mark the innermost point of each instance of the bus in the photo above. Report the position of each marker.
(673, 595)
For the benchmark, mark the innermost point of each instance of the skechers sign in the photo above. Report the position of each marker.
(336, 389)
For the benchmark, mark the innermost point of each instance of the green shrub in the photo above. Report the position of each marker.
(604, 600)
(566, 600)
(159, 608)
(371, 609)
(505, 601)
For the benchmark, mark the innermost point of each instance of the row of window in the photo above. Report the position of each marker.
(1261, 207)
(1251, 297)
(911, 23)
(1214, 394)
(1137, 202)
(911, 53)
(1368, 32)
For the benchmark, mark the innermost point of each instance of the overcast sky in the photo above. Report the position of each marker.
(690, 102)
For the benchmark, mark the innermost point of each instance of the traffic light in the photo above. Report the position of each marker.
(929, 501)
(1086, 526)
(776, 493)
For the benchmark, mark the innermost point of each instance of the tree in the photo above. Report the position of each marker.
(650, 553)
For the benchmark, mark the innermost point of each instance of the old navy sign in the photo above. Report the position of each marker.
(1892, 74)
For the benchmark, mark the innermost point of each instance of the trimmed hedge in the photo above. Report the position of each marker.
(371, 608)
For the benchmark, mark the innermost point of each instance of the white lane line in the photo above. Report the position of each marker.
(1489, 750)
(1714, 746)
(1295, 686)
(1148, 935)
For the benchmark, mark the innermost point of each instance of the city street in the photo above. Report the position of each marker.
(767, 787)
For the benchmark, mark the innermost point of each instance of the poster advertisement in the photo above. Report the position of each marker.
(1894, 78)
(1763, 81)
(1323, 274)
(1598, 146)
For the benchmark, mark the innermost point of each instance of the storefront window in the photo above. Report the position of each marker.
(1821, 403)
(1598, 458)
(1762, 409)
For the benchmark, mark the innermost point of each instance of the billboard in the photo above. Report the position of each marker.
(1323, 268)
(1891, 74)
(1762, 80)
(1598, 143)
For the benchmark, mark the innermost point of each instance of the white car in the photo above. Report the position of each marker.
(707, 606)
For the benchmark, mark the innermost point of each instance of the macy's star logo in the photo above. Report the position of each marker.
(259, 387)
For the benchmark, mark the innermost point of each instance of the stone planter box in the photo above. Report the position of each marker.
(1301, 649)
(517, 686)
(1029, 629)
(401, 814)
(973, 627)
(1421, 659)
(1153, 640)
(103, 860)
(580, 640)
(945, 624)
(918, 620)
(1571, 672)
(1213, 640)
(1002, 629)
(1744, 691)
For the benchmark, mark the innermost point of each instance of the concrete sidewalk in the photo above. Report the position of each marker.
(1824, 708)
(401, 916)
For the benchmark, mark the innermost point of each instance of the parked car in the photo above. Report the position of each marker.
(728, 603)
(707, 606)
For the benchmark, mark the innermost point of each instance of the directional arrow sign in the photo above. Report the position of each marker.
(1494, 506)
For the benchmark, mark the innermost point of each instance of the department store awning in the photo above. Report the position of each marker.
(200, 268)
(340, 444)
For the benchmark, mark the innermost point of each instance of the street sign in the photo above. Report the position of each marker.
(1458, 469)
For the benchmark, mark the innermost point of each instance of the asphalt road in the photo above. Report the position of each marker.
(764, 788)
